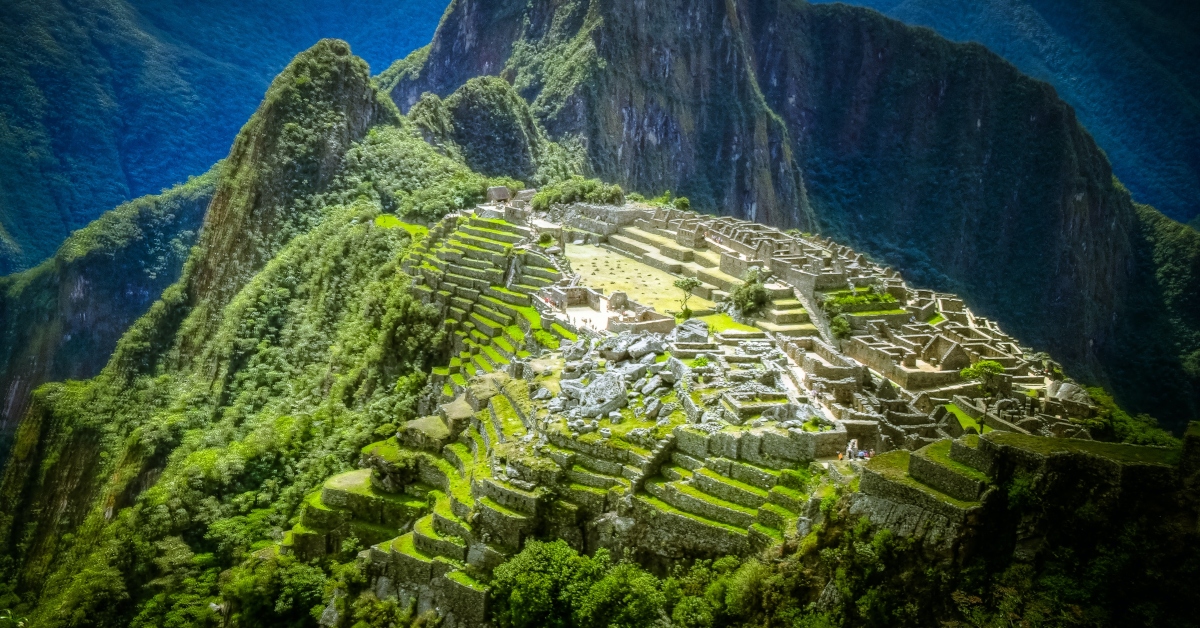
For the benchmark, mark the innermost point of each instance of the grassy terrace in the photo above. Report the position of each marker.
(720, 323)
(609, 272)
(965, 420)
(1117, 452)
(893, 465)
(659, 504)
(390, 221)
(939, 452)
(877, 313)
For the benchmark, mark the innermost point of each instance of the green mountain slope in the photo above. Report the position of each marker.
(289, 338)
(102, 101)
(61, 319)
(939, 158)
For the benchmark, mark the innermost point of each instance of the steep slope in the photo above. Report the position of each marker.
(61, 320)
(939, 158)
(102, 101)
(1126, 66)
(289, 339)
(654, 108)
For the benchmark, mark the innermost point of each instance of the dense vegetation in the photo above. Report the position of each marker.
(289, 340)
(106, 100)
(61, 319)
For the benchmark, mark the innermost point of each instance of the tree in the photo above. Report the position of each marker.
(751, 297)
(984, 372)
(687, 284)
(683, 203)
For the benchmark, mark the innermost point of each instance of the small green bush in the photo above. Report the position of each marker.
(751, 297)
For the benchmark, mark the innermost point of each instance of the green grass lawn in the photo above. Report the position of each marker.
(723, 322)
(389, 221)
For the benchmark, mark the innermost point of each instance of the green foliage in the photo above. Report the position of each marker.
(981, 370)
(687, 285)
(840, 327)
(578, 190)
(246, 442)
(682, 203)
(699, 362)
(751, 298)
(1113, 423)
(545, 239)
(836, 303)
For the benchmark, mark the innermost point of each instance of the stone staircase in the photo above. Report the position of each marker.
(786, 315)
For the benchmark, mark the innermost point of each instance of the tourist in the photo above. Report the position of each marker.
(839, 455)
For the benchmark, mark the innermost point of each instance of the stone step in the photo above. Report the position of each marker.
(787, 316)
(932, 466)
(722, 281)
(409, 563)
(719, 537)
(458, 455)
(506, 525)
(675, 473)
(691, 499)
(495, 311)
(663, 245)
(582, 475)
(754, 475)
(499, 225)
(534, 282)
(790, 330)
(630, 245)
(686, 461)
(508, 296)
(481, 243)
(471, 251)
(592, 498)
(965, 450)
(489, 327)
(777, 517)
(728, 489)
(789, 498)
(545, 273)
(430, 542)
(481, 231)
(507, 495)
(448, 523)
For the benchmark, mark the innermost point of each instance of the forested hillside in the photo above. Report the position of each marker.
(102, 101)
(1126, 66)
(62, 319)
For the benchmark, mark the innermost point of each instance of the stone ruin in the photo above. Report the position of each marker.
(674, 441)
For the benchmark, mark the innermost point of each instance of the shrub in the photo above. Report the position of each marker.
(751, 298)
(683, 203)
(578, 190)
(840, 327)
(687, 285)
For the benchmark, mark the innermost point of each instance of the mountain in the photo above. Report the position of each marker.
(102, 101)
(941, 159)
(158, 492)
(1126, 66)
(62, 319)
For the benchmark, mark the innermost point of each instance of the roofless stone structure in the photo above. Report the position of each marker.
(574, 406)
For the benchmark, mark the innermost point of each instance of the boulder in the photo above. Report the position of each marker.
(574, 350)
(653, 384)
(692, 330)
(605, 394)
(646, 345)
